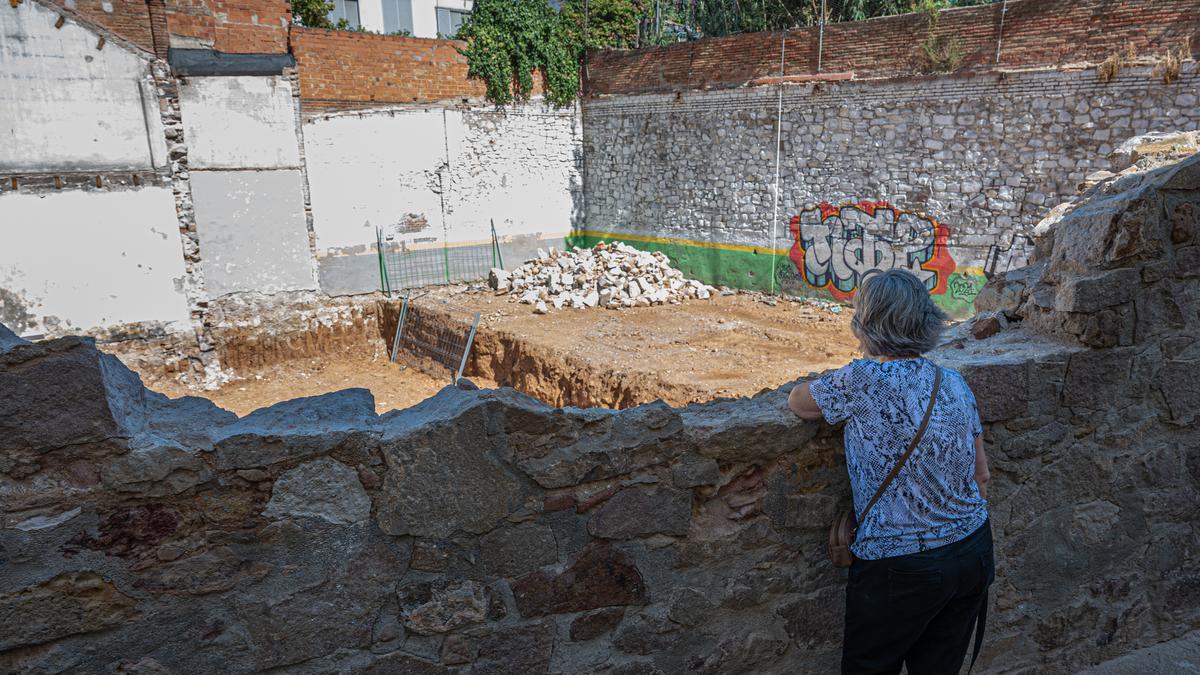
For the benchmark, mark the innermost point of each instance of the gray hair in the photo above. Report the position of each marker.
(894, 315)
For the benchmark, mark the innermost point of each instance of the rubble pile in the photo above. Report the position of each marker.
(613, 275)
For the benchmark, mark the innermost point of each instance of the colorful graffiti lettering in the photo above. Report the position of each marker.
(836, 246)
(964, 288)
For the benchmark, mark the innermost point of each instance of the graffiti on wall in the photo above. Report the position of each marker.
(835, 247)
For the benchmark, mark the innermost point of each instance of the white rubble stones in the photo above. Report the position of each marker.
(611, 275)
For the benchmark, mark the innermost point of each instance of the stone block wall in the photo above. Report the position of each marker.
(946, 175)
(482, 531)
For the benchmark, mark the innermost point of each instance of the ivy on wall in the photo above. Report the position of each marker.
(509, 41)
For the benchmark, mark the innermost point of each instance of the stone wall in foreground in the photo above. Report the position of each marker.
(482, 531)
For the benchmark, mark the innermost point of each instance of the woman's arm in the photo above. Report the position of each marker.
(801, 402)
(982, 476)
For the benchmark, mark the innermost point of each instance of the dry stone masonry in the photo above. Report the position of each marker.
(945, 176)
(613, 276)
(485, 532)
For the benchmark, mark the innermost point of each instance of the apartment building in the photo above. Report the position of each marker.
(420, 18)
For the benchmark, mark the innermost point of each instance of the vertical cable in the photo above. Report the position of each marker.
(1000, 34)
(778, 152)
(821, 37)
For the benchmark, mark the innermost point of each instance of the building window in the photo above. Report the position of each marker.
(450, 20)
(348, 10)
(397, 17)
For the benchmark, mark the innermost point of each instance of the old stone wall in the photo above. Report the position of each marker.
(946, 176)
(482, 531)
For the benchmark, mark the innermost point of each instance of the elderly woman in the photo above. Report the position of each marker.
(923, 548)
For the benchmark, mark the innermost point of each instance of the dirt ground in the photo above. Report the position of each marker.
(735, 345)
(393, 385)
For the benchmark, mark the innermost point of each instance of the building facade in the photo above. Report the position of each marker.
(418, 18)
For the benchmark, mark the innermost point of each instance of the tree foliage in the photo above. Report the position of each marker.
(600, 24)
(511, 41)
(315, 14)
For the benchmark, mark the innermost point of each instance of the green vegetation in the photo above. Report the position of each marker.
(509, 42)
(315, 14)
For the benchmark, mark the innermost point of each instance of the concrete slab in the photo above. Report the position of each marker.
(244, 122)
(83, 260)
(252, 231)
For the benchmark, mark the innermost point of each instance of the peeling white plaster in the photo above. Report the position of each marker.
(88, 260)
(239, 122)
(66, 105)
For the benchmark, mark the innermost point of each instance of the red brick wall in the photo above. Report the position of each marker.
(341, 69)
(1035, 33)
(129, 19)
(233, 26)
(236, 26)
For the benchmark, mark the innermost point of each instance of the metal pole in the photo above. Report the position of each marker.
(467, 350)
(821, 38)
(498, 257)
(400, 326)
(778, 152)
(1000, 34)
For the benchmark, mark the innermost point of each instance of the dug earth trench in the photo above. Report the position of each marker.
(483, 531)
(727, 346)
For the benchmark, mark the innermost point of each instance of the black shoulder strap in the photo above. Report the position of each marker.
(937, 383)
(980, 624)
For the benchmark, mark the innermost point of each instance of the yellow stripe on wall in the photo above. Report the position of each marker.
(763, 250)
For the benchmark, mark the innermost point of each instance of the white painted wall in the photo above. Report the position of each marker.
(368, 170)
(247, 189)
(519, 167)
(375, 168)
(86, 260)
(67, 106)
(239, 122)
(381, 168)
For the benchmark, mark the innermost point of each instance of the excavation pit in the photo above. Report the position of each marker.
(728, 346)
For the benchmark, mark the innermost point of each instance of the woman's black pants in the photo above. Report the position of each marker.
(917, 610)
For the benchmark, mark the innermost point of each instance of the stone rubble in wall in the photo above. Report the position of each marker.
(614, 276)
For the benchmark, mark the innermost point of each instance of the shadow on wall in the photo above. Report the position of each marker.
(483, 531)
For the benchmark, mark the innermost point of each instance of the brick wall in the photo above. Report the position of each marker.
(129, 19)
(231, 26)
(341, 69)
(1035, 33)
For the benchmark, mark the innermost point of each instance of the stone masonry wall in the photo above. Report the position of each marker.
(484, 532)
(945, 175)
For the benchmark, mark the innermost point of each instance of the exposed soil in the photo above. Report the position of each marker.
(733, 345)
(394, 385)
(727, 346)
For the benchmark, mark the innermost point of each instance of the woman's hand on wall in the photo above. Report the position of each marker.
(982, 475)
(801, 402)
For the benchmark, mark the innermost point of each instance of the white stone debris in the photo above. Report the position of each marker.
(611, 275)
